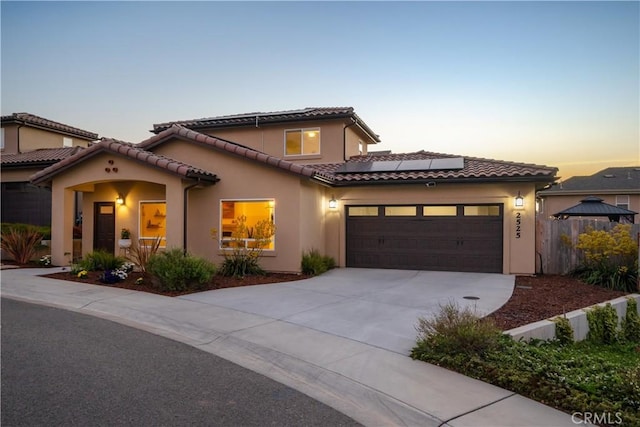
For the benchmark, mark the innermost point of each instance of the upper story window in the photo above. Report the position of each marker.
(67, 142)
(300, 142)
(622, 202)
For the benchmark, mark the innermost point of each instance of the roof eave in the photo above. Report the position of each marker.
(424, 181)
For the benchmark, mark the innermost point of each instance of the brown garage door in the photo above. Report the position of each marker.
(426, 237)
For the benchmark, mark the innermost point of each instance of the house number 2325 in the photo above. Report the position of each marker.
(518, 224)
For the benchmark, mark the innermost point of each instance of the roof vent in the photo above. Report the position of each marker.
(609, 175)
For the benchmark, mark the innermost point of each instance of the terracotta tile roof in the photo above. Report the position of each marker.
(474, 170)
(178, 131)
(43, 156)
(40, 122)
(256, 118)
(127, 150)
(625, 180)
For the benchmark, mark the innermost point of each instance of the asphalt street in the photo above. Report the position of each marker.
(65, 368)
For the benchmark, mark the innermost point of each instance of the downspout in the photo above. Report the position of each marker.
(18, 136)
(184, 215)
(344, 138)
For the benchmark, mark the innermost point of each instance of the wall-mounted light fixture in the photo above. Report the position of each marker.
(333, 203)
(518, 201)
(120, 199)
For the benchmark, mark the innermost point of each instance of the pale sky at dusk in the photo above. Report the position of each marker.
(555, 83)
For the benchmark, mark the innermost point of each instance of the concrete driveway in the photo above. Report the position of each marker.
(372, 306)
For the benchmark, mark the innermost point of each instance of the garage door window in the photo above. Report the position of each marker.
(439, 211)
(363, 211)
(482, 210)
(400, 211)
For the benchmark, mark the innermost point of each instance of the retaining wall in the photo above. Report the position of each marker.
(546, 329)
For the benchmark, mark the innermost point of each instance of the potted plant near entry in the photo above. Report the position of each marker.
(125, 238)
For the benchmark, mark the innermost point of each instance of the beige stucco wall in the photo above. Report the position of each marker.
(10, 139)
(33, 139)
(241, 179)
(555, 204)
(519, 253)
(30, 139)
(270, 139)
(97, 184)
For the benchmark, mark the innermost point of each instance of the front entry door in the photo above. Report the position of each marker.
(104, 226)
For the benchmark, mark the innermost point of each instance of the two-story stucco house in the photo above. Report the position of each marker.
(310, 171)
(29, 144)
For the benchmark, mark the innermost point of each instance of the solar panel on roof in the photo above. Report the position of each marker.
(385, 166)
(415, 165)
(452, 163)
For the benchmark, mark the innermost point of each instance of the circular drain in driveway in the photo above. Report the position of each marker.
(471, 297)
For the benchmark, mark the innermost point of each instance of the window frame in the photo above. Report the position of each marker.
(302, 132)
(67, 142)
(621, 204)
(220, 237)
(163, 240)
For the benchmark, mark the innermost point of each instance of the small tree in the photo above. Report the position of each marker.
(246, 247)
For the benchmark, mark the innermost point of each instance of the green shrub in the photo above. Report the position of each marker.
(240, 264)
(314, 263)
(21, 243)
(603, 324)
(454, 331)
(101, 260)
(564, 331)
(630, 328)
(177, 271)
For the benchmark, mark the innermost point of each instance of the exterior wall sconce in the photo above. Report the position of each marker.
(333, 203)
(120, 199)
(519, 201)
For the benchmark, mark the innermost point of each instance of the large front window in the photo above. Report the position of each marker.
(153, 221)
(302, 142)
(248, 223)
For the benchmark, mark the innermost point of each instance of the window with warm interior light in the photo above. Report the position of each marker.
(363, 211)
(153, 221)
(248, 223)
(400, 211)
(300, 142)
(482, 210)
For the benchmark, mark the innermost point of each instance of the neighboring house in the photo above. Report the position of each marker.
(617, 186)
(29, 144)
(311, 173)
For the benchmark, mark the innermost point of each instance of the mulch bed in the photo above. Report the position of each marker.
(541, 297)
(218, 282)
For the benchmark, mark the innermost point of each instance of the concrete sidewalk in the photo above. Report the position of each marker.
(372, 384)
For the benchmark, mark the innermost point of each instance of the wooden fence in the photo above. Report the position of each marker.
(553, 253)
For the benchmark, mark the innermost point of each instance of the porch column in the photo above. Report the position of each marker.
(175, 213)
(62, 219)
